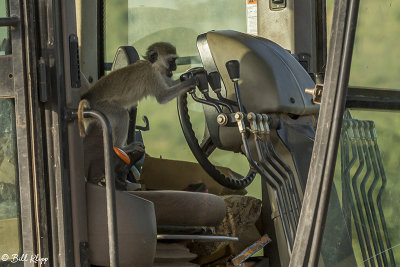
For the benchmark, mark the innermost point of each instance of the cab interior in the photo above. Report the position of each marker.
(162, 220)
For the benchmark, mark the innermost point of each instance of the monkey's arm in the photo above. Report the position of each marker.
(172, 82)
(165, 95)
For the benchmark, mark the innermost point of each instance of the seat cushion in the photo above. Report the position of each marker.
(181, 208)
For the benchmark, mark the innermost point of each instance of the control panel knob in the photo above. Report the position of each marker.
(202, 81)
(214, 79)
(233, 68)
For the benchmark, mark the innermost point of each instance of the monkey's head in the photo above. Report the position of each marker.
(162, 55)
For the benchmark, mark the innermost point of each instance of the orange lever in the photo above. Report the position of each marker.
(122, 155)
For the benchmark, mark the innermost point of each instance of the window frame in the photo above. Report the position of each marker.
(13, 67)
(308, 240)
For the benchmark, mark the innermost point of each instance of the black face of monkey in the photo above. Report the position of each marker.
(164, 55)
(171, 66)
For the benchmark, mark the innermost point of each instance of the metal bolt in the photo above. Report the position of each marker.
(238, 115)
(251, 116)
(310, 91)
(222, 119)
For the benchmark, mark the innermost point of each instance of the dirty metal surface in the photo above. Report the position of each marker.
(251, 250)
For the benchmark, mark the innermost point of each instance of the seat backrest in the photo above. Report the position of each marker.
(127, 55)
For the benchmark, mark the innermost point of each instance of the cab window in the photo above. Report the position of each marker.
(367, 167)
(9, 200)
(141, 23)
(5, 45)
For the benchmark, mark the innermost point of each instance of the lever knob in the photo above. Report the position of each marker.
(233, 68)
(202, 81)
(214, 79)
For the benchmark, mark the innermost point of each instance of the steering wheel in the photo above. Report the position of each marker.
(203, 151)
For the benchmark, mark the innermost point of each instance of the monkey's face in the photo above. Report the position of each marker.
(171, 66)
(163, 56)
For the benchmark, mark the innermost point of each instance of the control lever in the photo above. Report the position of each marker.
(275, 173)
(214, 79)
(203, 87)
(187, 76)
(233, 68)
(263, 121)
(239, 116)
(202, 83)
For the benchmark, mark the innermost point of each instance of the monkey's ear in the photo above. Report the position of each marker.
(151, 56)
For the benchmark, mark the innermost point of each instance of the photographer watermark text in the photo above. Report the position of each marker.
(14, 258)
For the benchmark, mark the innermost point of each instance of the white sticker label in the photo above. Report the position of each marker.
(251, 13)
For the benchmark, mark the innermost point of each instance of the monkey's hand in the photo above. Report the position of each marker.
(190, 76)
(134, 146)
(189, 81)
(193, 81)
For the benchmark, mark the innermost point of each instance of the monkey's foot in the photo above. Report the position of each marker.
(135, 151)
(133, 147)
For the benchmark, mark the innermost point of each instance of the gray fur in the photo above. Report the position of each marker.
(120, 90)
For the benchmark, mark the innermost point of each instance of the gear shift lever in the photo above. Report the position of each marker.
(214, 79)
(186, 76)
(202, 81)
(203, 87)
(233, 68)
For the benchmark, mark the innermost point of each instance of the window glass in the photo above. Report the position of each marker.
(141, 23)
(366, 174)
(5, 45)
(178, 22)
(9, 197)
(375, 58)
(367, 184)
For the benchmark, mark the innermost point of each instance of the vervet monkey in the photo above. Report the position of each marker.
(120, 90)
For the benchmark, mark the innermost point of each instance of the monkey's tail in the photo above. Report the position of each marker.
(83, 104)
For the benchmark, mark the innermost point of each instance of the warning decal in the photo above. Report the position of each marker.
(252, 2)
(251, 13)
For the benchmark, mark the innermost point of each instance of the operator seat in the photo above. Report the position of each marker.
(138, 212)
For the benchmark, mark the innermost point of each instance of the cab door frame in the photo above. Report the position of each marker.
(309, 234)
(18, 72)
